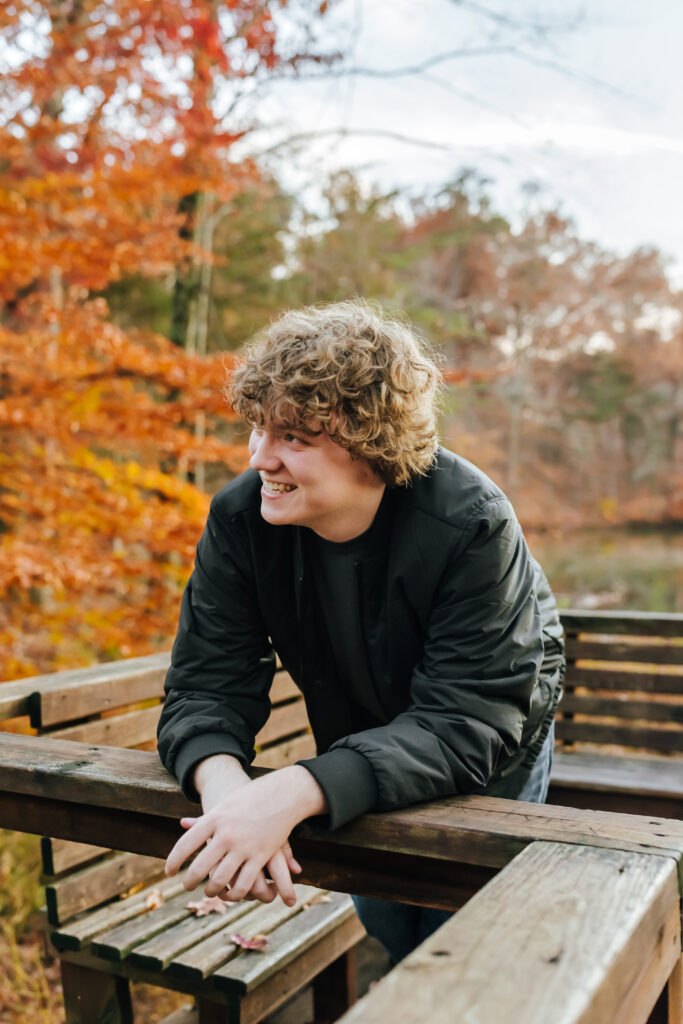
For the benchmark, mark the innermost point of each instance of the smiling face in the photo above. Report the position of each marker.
(309, 480)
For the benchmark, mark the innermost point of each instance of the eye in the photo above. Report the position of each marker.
(293, 438)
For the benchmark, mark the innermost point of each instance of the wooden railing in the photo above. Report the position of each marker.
(582, 924)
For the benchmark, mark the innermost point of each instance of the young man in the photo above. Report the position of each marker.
(394, 582)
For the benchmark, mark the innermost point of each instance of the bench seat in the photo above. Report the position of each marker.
(171, 947)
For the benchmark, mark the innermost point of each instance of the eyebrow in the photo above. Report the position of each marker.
(288, 428)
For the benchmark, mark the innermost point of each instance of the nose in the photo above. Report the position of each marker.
(263, 451)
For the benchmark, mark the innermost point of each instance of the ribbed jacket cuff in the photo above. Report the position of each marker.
(195, 750)
(349, 785)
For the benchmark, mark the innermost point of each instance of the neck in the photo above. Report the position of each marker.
(356, 520)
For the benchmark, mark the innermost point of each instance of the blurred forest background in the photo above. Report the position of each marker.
(137, 254)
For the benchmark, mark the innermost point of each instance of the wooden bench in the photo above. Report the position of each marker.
(113, 917)
(619, 727)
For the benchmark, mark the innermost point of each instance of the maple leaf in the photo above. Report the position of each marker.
(207, 905)
(154, 899)
(259, 942)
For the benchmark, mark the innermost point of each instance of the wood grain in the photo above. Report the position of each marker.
(562, 935)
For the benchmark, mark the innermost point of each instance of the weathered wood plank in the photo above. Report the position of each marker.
(276, 989)
(15, 698)
(126, 730)
(666, 740)
(286, 753)
(201, 959)
(283, 721)
(76, 935)
(93, 885)
(104, 795)
(619, 622)
(299, 933)
(283, 688)
(115, 943)
(651, 777)
(653, 654)
(606, 678)
(59, 855)
(78, 693)
(566, 935)
(624, 707)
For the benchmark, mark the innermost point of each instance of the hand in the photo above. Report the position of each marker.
(247, 831)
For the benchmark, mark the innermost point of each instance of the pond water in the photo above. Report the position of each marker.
(614, 568)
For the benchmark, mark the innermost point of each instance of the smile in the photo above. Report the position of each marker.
(275, 488)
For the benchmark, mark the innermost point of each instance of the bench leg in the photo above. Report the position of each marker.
(669, 1007)
(334, 989)
(93, 997)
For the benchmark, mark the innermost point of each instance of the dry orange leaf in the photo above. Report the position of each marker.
(207, 905)
(155, 899)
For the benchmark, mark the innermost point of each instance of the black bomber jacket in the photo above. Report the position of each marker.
(466, 627)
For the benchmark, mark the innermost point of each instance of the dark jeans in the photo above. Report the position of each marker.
(401, 927)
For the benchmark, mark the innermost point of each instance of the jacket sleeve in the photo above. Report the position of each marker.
(222, 664)
(470, 693)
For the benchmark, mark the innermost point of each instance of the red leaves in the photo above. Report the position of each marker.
(259, 942)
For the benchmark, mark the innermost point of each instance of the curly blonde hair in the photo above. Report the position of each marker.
(365, 378)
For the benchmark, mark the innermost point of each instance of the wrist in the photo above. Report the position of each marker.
(308, 796)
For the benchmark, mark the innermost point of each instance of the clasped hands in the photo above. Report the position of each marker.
(246, 831)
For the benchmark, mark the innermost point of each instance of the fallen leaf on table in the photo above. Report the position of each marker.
(258, 942)
(207, 905)
(154, 899)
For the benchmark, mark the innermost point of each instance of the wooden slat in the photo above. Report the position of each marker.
(66, 696)
(605, 678)
(15, 698)
(127, 730)
(298, 934)
(667, 740)
(262, 1001)
(201, 959)
(618, 622)
(158, 952)
(286, 753)
(283, 688)
(116, 943)
(649, 777)
(77, 935)
(93, 794)
(93, 885)
(625, 707)
(579, 936)
(653, 654)
(283, 721)
(59, 855)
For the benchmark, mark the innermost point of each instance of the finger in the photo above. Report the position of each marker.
(244, 882)
(188, 822)
(206, 863)
(222, 877)
(188, 844)
(279, 872)
(261, 890)
(292, 862)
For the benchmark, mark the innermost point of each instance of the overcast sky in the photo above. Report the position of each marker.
(604, 139)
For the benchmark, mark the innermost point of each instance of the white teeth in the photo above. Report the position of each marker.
(277, 487)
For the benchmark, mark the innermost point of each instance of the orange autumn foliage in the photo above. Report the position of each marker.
(112, 114)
